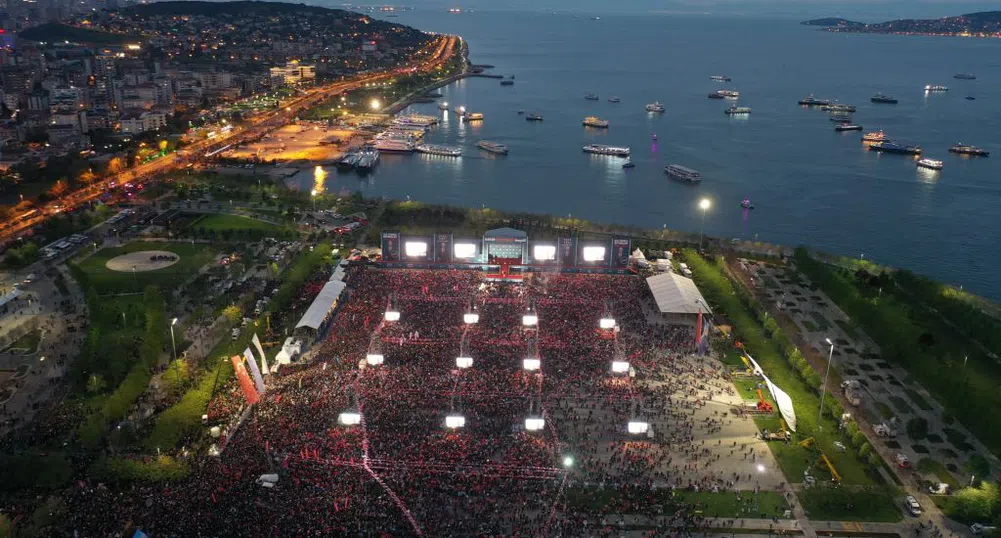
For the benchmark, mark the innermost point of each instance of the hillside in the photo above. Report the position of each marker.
(832, 21)
(62, 32)
(983, 24)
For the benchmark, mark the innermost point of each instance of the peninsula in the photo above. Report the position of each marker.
(981, 24)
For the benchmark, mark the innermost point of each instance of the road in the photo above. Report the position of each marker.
(435, 55)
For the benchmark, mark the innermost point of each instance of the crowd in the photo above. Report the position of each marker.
(402, 472)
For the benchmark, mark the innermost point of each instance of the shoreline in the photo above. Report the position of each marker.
(467, 71)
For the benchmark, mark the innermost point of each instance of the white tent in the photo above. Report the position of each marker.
(638, 255)
(676, 294)
(781, 398)
(322, 305)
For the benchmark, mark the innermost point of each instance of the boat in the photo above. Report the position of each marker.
(720, 78)
(813, 101)
(885, 99)
(965, 76)
(628, 163)
(613, 99)
(394, 145)
(838, 107)
(434, 149)
(347, 161)
(602, 149)
(655, 107)
(367, 161)
(746, 204)
(682, 173)
(591, 97)
(507, 83)
(888, 146)
(443, 106)
(492, 147)
(930, 88)
(841, 118)
(595, 121)
(716, 95)
(931, 164)
(847, 127)
(729, 94)
(472, 116)
(875, 136)
(520, 112)
(738, 110)
(970, 98)
(653, 136)
(533, 117)
(966, 149)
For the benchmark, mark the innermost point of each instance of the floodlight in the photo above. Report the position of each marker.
(392, 315)
(464, 362)
(594, 254)
(529, 320)
(349, 418)
(544, 252)
(470, 318)
(638, 426)
(465, 250)
(620, 367)
(567, 461)
(607, 323)
(374, 359)
(416, 249)
(534, 424)
(531, 364)
(455, 421)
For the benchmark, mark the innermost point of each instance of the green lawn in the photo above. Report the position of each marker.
(27, 343)
(747, 504)
(105, 281)
(231, 222)
(918, 399)
(928, 465)
(841, 504)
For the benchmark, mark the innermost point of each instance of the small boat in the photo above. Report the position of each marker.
(746, 204)
(965, 76)
(655, 107)
(613, 99)
(966, 149)
(931, 164)
(654, 136)
(813, 101)
(715, 95)
(602, 149)
(591, 97)
(595, 121)
(520, 112)
(533, 117)
(875, 136)
(720, 78)
(930, 88)
(443, 106)
(511, 77)
(628, 163)
(884, 99)
(738, 110)
(847, 127)
(970, 98)
(472, 116)
(887, 146)
(492, 147)
(507, 83)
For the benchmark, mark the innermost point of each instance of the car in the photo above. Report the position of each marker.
(939, 489)
(912, 506)
(903, 461)
(980, 528)
(236, 333)
(30, 278)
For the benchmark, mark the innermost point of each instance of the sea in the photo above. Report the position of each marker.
(809, 184)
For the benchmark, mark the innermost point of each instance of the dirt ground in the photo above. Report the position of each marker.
(309, 141)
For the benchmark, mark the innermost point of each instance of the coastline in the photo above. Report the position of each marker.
(468, 70)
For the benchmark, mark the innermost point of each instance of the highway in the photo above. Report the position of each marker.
(437, 53)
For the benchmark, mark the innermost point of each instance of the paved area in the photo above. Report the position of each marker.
(144, 260)
(312, 141)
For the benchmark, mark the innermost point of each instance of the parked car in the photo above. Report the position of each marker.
(912, 506)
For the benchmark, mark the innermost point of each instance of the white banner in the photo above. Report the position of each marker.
(264, 358)
(254, 371)
(781, 398)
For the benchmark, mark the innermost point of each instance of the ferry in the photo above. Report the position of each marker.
(930, 88)
(613, 99)
(443, 106)
(965, 149)
(735, 110)
(931, 164)
(348, 160)
(838, 107)
(492, 147)
(841, 118)
(682, 173)
(367, 161)
(746, 203)
(813, 101)
(507, 83)
(885, 99)
(444, 151)
(628, 163)
(729, 94)
(601, 149)
(591, 97)
(594, 121)
(655, 107)
(533, 117)
(965, 76)
(875, 136)
(394, 145)
(472, 116)
(720, 78)
(847, 127)
(887, 146)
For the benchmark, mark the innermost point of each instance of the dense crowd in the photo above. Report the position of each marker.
(402, 472)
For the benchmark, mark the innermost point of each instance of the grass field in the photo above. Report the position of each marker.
(106, 281)
(840, 504)
(746, 504)
(27, 343)
(231, 222)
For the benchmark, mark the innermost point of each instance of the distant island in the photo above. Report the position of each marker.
(981, 24)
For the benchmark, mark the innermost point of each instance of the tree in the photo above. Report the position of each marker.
(86, 177)
(59, 188)
(917, 428)
(232, 313)
(865, 450)
(875, 460)
(858, 438)
(95, 384)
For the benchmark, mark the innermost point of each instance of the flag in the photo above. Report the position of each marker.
(245, 383)
(256, 372)
(698, 329)
(260, 350)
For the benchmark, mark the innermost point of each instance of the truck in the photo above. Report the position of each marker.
(853, 397)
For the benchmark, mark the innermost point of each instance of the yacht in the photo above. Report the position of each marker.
(735, 110)
(838, 107)
(875, 136)
(434, 149)
(847, 127)
(682, 173)
(472, 116)
(443, 106)
(841, 118)
(492, 147)
(613, 99)
(930, 88)
(507, 83)
(720, 78)
(655, 107)
(533, 117)
(966, 149)
(746, 203)
(887, 146)
(813, 101)
(594, 121)
(394, 145)
(591, 97)
(628, 163)
(932, 164)
(602, 149)
(885, 99)
(965, 76)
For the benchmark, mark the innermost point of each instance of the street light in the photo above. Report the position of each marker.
(823, 390)
(173, 346)
(704, 205)
(312, 194)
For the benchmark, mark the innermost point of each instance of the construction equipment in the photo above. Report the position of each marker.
(809, 443)
(763, 406)
(776, 436)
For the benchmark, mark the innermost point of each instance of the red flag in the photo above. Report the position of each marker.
(249, 392)
(698, 329)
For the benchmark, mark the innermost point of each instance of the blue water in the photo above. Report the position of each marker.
(809, 184)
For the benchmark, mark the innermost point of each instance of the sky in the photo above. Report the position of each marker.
(863, 10)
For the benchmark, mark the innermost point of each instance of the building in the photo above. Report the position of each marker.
(293, 73)
(139, 121)
(678, 298)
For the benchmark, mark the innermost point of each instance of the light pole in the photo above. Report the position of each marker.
(704, 205)
(312, 194)
(823, 390)
(173, 346)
